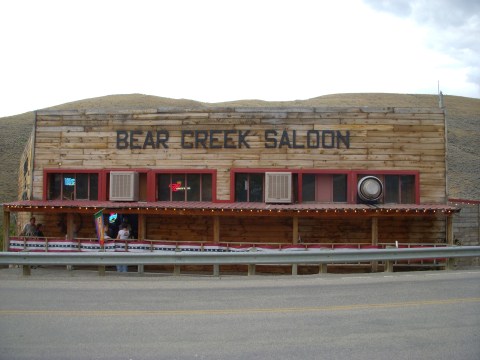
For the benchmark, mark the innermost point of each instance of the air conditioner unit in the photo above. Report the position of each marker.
(278, 187)
(123, 186)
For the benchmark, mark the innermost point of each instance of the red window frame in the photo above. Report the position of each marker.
(153, 183)
(351, 179)
(48, 172)
(416, 175)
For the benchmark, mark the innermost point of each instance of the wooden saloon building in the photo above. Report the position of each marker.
(225, 179)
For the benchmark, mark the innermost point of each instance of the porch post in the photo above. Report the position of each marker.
(6, 230)
(450, 242)
(295, 241)
(70, 230)
(216, 240)
(142, 221)
(450, 230)
(142, 226)
(374, 240)
(70, 226)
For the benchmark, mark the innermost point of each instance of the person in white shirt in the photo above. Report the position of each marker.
(29, 229)
(123, 234)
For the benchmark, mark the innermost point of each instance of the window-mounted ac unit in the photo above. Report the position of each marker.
(278, 187)
(370, 189)
(123, 186)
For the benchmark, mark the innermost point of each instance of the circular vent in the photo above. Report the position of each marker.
(370, 188)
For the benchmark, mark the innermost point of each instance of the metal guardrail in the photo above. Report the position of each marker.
(318, 257)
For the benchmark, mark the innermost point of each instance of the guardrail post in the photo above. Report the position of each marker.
(101, 270)
(388, 266)
(294, 269)
(216, 270)
(323, 269)
(251, 269)
(450, 264)
(6, 229)
(140, 269)
(26, 270)
(176, 270)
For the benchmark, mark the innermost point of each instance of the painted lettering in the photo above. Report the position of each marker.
(344, 139)
(328, 134)
(270, 142)
(122, 139)
(227, 140)
(295, 145)
(315, 143)
(201, 138)
(134, 140)
(149, 140)
(284, 140)
(186, 145)
(233, 139)
(214, 141)
(162, 138)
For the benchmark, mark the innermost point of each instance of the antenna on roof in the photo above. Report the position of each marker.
(441, 105)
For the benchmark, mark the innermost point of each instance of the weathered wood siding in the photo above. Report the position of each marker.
(262, 230)
(380, 139)
(179, 228)
(353, 230)
(25, 178)
(411, 230)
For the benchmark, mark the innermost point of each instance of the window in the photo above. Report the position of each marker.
(398, 189)
(324, 188)
(72, 186)
(184, 187)
(249, 187)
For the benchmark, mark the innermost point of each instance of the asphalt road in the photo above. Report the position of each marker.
(55, 314)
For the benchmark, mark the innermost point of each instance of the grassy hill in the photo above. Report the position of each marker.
(463, 123)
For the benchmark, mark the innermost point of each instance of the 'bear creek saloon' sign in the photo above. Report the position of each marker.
(234, 139)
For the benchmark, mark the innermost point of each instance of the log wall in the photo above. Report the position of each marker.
(380, 139)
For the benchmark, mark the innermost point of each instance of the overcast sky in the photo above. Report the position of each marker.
(54, 52)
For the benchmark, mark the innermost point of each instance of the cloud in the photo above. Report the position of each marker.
(453, 27)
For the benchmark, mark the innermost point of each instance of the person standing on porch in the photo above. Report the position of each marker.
(39, 231)
(123, 234)
(30, 228)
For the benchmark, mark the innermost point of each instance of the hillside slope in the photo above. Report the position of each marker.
(463, 123)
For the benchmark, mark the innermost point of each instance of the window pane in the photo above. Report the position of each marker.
(339, 188)
(207, 187)
(163, 184)
(295, 188)
(68, 186)
(81, 187)
(193, 187)
(308, 187)
(407, 183)
(93, 187)
(178, 187)
(392, 189)
(324, 187)
(256, 188)
(55, 187)
(241, 187)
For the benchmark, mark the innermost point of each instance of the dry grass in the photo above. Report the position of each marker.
(463, 121)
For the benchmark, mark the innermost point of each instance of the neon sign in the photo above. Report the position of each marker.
(69, 181)
(178, 187)
(112, 218)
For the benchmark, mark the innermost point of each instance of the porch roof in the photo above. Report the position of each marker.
(229, 208)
